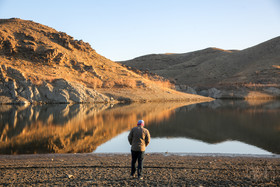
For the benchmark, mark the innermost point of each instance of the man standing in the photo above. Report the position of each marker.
(139, 138)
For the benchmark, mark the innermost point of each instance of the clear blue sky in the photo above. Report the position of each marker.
(124, 29)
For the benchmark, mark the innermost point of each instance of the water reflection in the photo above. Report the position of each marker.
(179, 145)
(82, 128)
(255, 123)
(71, 128)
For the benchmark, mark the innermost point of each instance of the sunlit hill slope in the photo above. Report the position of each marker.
(40, 64)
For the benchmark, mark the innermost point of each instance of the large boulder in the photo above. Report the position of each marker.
(214, 93)
(52, 94)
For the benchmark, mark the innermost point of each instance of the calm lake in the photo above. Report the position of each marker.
(218, 127)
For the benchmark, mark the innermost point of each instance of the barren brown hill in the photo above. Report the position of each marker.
(232, 73)
(40, 64)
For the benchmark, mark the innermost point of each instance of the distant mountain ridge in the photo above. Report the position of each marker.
(41, 65)
(253, 69)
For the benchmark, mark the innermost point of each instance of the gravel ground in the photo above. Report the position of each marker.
(159, 170)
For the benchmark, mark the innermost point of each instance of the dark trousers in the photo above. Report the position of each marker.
(137, 155)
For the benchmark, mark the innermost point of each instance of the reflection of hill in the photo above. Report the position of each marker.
(256, 125)
(46, 128)
(81, 128)
(71, 128)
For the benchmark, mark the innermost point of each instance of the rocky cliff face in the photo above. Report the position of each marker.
(16, 88)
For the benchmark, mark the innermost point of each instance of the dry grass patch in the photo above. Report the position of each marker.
(127, 83)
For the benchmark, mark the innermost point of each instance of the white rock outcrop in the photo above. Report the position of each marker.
(15, 88)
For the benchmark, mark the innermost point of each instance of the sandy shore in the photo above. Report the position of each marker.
(159, 170)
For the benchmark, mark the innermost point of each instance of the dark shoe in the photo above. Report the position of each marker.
(132, 176)
(140, 178)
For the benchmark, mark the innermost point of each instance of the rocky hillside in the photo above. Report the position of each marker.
(40, 64)
(252, 72)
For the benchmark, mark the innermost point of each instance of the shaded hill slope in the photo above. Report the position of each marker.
(40, 64)
(256, 68)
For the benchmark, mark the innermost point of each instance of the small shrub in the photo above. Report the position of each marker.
(108, 84)
(95, 83)
(125, 83)
(165, 84)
